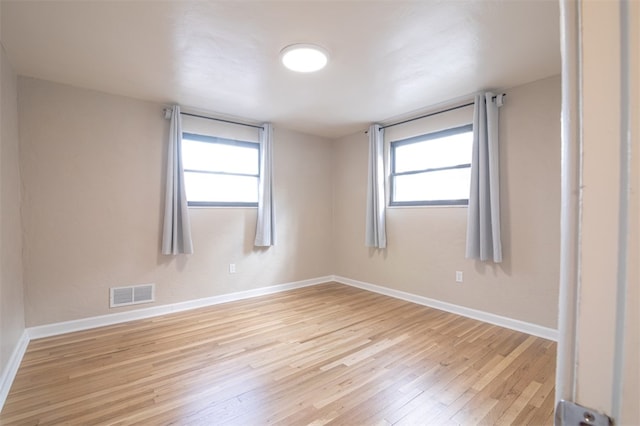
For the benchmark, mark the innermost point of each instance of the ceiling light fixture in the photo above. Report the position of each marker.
(304, 57)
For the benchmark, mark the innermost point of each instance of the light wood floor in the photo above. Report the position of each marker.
(318, 355)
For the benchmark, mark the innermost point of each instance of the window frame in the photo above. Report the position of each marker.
(219, 140)
(417, 139)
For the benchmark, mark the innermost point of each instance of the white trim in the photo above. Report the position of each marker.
(55, 329)
(9, 372)
(570, 198)
(624, 230)
(120, 317)
(513, 324)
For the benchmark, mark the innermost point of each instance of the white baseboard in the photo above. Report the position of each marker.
(9, 372)
(513, 324)
(120, 317)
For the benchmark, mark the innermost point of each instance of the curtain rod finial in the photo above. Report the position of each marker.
(167, 113)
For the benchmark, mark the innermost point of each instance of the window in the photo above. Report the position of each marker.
(432, 169)
(220, 172)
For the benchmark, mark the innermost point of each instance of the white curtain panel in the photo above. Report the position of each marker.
(176, 236)
(375, 235)
(266, 224)
(483, 222)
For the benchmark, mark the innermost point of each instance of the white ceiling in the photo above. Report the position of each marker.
(388, 58)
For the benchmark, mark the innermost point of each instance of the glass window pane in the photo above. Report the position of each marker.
(434, 153)
(218, 157)
(221, 188)
(450, 184)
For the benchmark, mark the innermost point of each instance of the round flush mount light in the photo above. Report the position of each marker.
(304, 57)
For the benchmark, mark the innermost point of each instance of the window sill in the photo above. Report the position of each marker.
(431, 206)
(222, 207)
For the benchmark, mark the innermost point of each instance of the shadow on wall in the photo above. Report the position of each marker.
(180, 261)
(373, 252)
(260, 262)
(486, 268)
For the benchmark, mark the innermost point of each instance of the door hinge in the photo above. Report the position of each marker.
(569, 413)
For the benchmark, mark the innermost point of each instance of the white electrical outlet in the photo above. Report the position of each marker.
(232, 268)
(458, 276)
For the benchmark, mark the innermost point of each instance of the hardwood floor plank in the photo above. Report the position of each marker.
(518, 405)
(327, 354)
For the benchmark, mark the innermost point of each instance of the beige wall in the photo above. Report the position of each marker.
(11, 296)
(93, 170)
(604, 231)
(426, 245)
(631, 389)
(93, 191)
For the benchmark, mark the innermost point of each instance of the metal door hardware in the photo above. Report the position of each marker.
(571, 414)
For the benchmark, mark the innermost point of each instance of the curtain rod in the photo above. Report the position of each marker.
(426, 115)
(220, 119)
(433, 113)
(167, 115)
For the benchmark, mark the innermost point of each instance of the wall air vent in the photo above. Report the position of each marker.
(124, 296)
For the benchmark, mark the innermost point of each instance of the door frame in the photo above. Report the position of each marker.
(572, 384)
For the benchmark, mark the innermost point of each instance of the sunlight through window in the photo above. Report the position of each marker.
(220, 172)
(432, 169)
